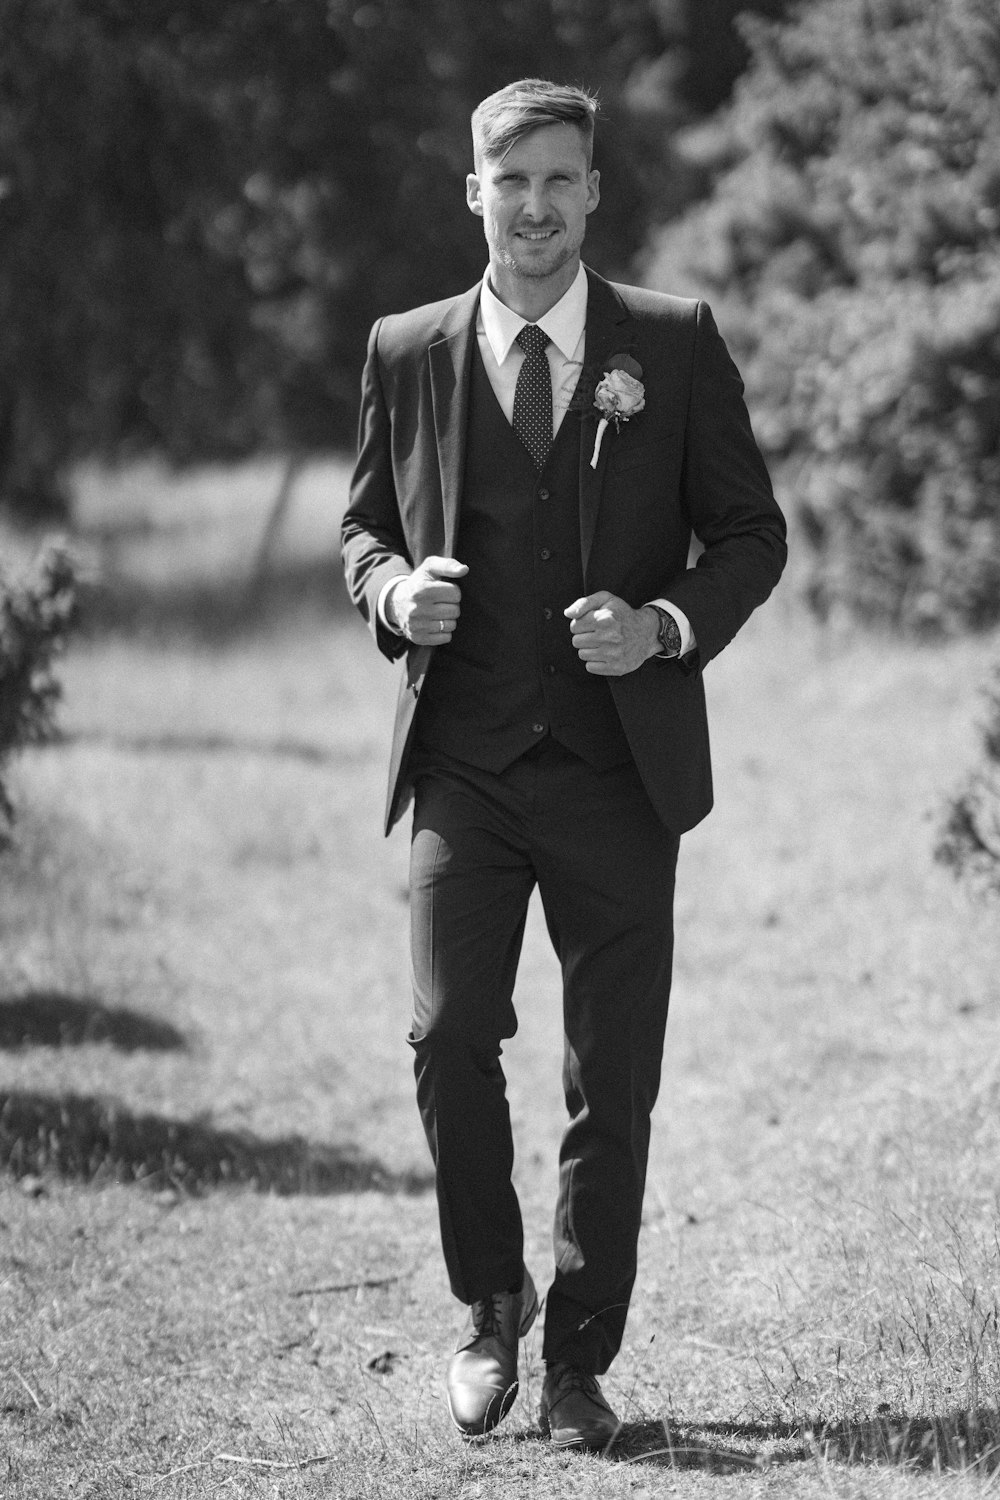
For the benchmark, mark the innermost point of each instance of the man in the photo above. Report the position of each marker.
(527, 553)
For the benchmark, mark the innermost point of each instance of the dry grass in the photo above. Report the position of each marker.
(225, 1262)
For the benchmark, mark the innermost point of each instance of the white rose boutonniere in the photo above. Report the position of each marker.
(619, 395)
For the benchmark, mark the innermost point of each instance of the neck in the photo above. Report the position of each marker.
(531, 298)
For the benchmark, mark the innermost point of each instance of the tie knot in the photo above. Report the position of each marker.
(532, 339)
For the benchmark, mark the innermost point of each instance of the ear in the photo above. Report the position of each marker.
(593, 191)
(474, 195)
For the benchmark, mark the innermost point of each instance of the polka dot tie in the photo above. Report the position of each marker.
(533, 395)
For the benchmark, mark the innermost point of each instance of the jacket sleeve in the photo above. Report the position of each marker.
(373, 548)
(727, 493)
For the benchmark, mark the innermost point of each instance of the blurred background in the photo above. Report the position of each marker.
(204, 206)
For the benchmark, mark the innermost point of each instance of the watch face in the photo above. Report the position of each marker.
(670, 636)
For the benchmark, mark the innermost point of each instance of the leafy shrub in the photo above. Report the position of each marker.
(851, 249)
(36, 613)
(970, 842)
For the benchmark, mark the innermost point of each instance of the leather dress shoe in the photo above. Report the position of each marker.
(573, 1411)
(482, 1373)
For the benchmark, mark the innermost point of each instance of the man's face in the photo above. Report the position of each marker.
(535, 201)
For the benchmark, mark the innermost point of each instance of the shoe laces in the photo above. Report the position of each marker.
(486, 1316)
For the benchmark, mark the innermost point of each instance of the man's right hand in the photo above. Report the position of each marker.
(425, 606)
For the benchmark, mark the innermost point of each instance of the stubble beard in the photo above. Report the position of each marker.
(539, 268)
(530, 268)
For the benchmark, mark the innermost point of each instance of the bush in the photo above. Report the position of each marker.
(36, 614)
(970, 842)
(851, 249)
(887, 407)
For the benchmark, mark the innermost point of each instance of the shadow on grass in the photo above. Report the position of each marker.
(47, 1018)
(960, 1440)
(96, 1140)
(715, 1448)
(214, 611)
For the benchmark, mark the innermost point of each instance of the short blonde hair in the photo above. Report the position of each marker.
(504, 117)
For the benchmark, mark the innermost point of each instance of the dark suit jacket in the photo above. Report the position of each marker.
(686, 463)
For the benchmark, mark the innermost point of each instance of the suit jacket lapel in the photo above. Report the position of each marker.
(449, 359)
(610, 330)
(450, 362)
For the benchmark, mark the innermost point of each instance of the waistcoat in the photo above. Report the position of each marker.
(510, 674)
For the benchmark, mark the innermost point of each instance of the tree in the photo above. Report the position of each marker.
(203, 206)
(706, 51)
(122, 320)
(850, 245)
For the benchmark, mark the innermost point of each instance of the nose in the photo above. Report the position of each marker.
(536, 202)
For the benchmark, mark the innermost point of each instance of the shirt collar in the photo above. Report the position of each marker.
(563, 323)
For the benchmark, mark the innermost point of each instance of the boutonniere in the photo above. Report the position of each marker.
(618, 395)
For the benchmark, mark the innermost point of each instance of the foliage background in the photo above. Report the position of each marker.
(970, 837)
(203, 208)
(36, 614)
(850, 244)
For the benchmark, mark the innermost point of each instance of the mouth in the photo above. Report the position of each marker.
(535, 236)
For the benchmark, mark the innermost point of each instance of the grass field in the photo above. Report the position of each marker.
(219, 1269)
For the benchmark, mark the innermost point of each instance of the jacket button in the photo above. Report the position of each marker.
(545, 554)
(543, 494)
(538, 728)
(547, 613)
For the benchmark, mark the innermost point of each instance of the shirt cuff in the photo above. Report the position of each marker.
(383, 597)
(688, 641)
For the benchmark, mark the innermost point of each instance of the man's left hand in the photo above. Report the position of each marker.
(611, 637)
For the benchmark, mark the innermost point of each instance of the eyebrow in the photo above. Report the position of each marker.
(561, 170)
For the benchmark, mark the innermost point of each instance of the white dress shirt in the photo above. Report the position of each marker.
(497, 328)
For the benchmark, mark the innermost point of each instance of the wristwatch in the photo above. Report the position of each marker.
(668, 633)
